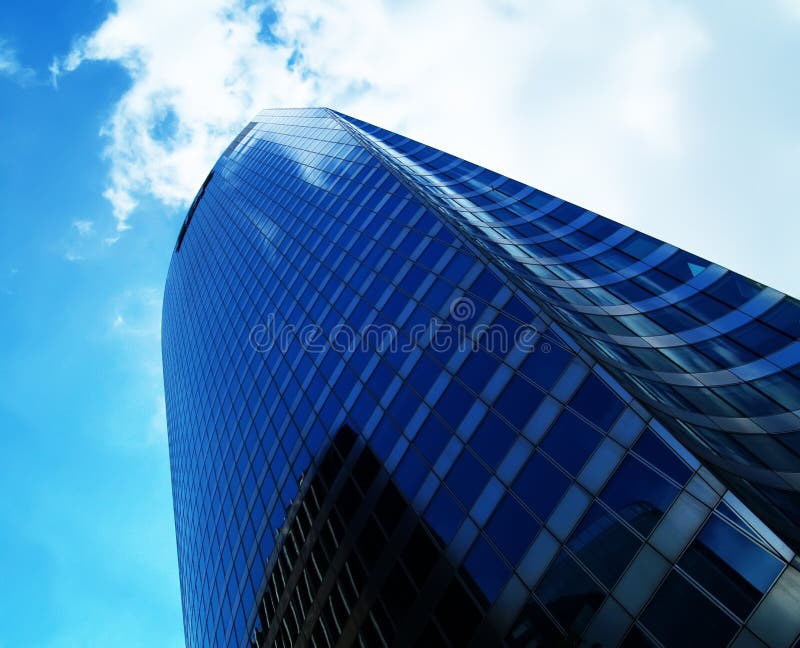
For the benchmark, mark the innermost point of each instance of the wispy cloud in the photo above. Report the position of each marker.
(83, 227)
(80, 241)
(11, 67)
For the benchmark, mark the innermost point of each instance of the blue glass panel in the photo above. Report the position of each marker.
(492, 439)
(734, 289)
(540, 485)
(518, 401)
(638, 494)
(570, 441)
(730, 566)
(444, 515)
(654, 450)
(603, 544)
(410, 472)
(512, 529)
(545, 368)
(431, 439)
(454, 403)
(785, 317)
(477, 369)
(597, 402)
(487, 569)
(467, 478)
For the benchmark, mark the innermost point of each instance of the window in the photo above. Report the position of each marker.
(604, 545)
(512, 529)
(597, 402)
(492, 440)
(569, 593)
(654, 450)
(638, 494)
(444, 515)
(540, 485)
(467, 479)
(570, 441)
(487, 569)
(679, 615)
(730, 566)
(545, 368)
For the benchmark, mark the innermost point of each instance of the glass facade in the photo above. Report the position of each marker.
(545, 426)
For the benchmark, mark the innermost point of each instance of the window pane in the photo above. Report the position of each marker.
(638, 494)
(569, 593)
(604, 545)
(730, 566)
(679, 615)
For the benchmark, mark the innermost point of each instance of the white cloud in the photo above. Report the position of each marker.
(199, 73)
(11, 67)
(475, 77)
(83, 227)
(630, 109)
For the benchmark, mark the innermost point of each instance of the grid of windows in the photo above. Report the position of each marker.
(565, 506)
(354, 559)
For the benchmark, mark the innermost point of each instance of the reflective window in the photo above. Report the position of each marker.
(540, 485)
(570, 441)
(492, 439)
(512, 529)
(444, 515)
(730, 566)
(569, 593)
(603, 544)
(654, 450)
(467, 479)
(597, 402)
(545, 368)
(638, 494)
(679, 615)
(487, 569)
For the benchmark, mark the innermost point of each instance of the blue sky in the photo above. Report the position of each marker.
(676, 118)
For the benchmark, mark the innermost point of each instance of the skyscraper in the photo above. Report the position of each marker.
(412, 401)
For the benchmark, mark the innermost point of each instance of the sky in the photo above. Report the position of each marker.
(677, 118)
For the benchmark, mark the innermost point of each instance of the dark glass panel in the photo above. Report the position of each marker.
(730, 566)
(457, 614)
(487, 570)
(654, 450)
(467, 479)
(570, 593)
(545, 368)
(540, 485)
(604, 545)
(570, 441)
(638, 494)
(679, 615)
(492, 439)
(444, 515)
(512, 529)
(597, 402)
